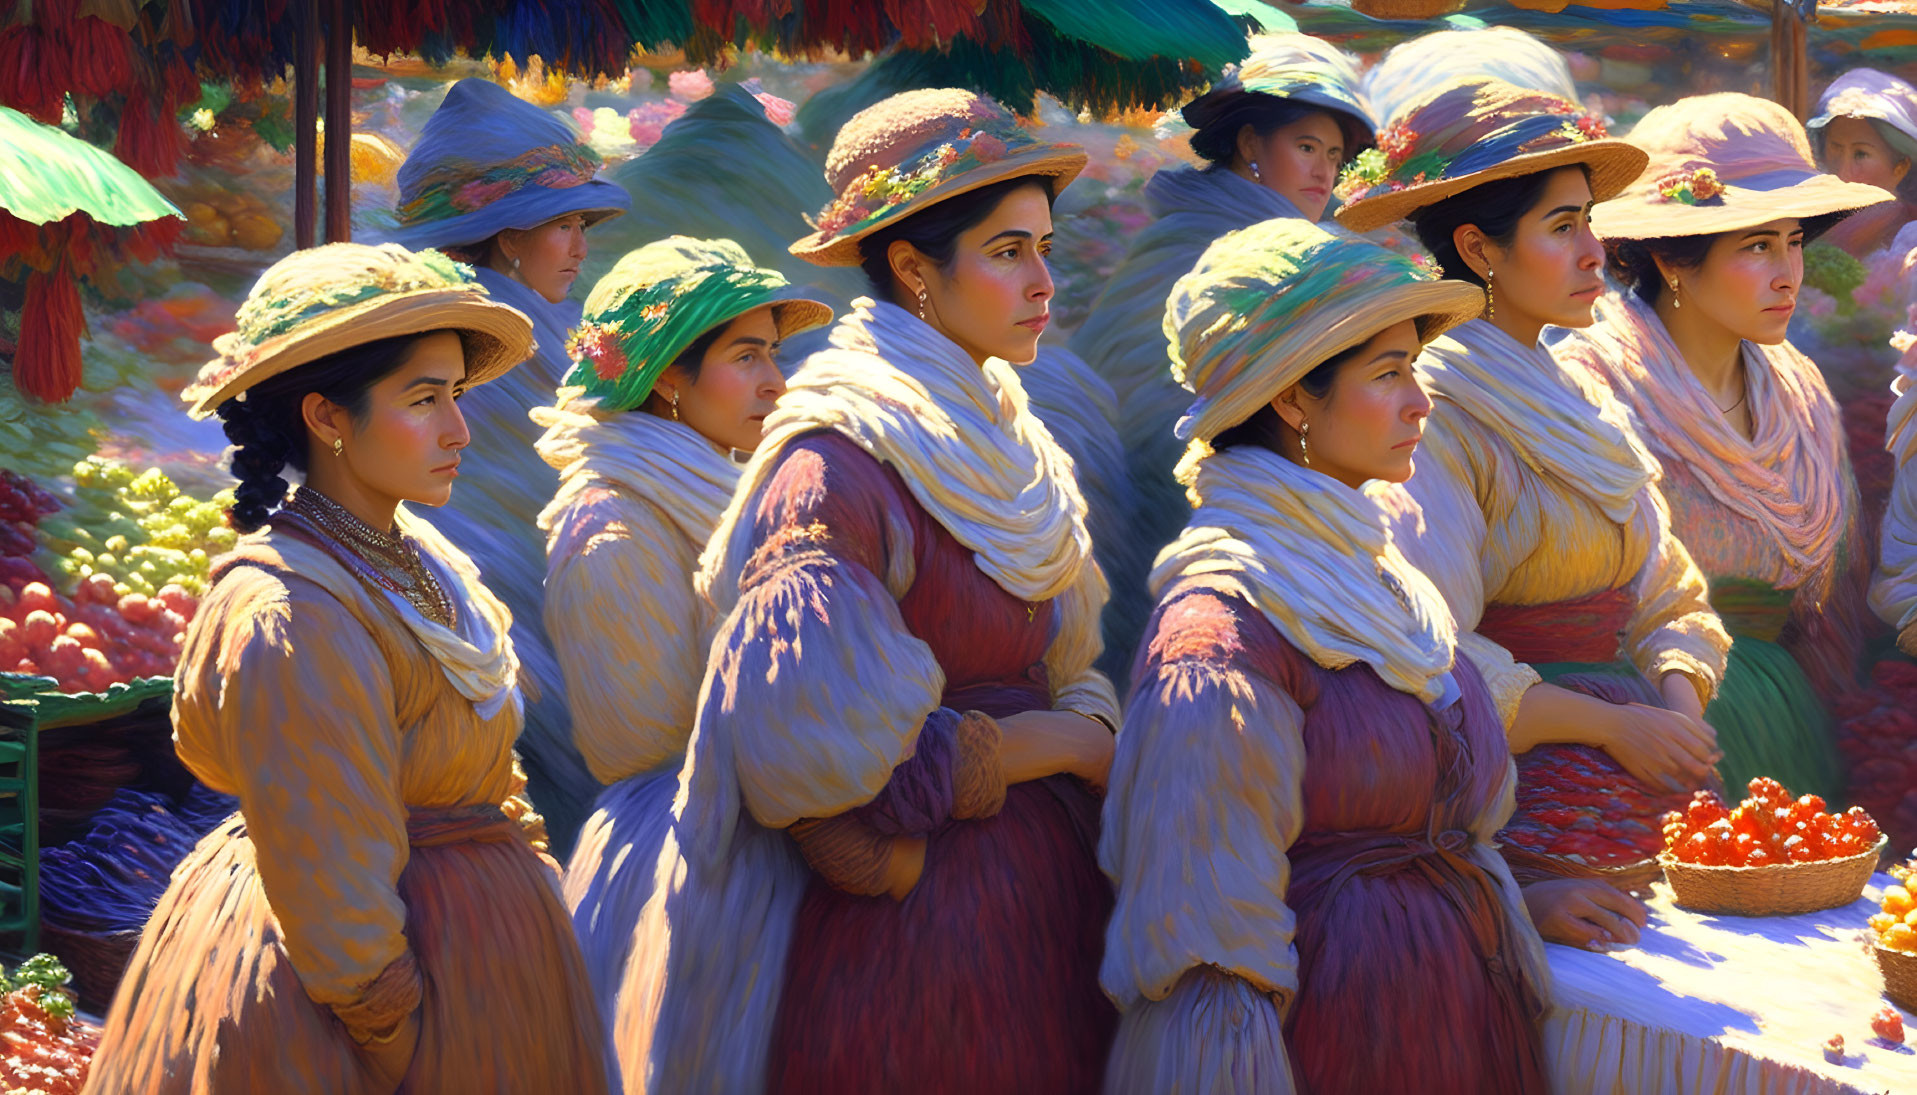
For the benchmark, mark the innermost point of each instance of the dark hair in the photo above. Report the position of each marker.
(1217, 140)
(936, 230)
(268, 432)
(1496, 207)
(690, 361)
(1264, 427)
(1633, 263)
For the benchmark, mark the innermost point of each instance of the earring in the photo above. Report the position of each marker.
(1304, 444)
(1490, 294)
(515, 263)
(339, 447)
(1255, 176)
(923, 296)
(1675, 302)
(675, 404)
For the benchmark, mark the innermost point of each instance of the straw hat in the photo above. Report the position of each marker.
(1472, 131)
(1267, 304)
(1290, 66)
(488, 161)
(660, 299)
(1413, 69)
(910, 151)
(326, 299)
(1722, 162)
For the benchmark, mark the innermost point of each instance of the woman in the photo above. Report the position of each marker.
(1749, 438)
(675, 372)
(1544, 525)
(1273, 136)
(1282, 894)
(370, 920)
(883, 868)
(508, 189)
(1866, 130)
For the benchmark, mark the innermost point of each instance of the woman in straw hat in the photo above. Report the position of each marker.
(1283, 895)
(1709, 246)
(1544, 526)
(1866, 132)
(370, 920)
(675, 370)
(1273, 135)
(509, 189)
(884, 855)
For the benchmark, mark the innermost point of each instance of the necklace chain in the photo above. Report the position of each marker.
(391, 557)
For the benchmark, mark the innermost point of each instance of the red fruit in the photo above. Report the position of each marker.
(37, 595)
(97, 589)
(1702, 811)
(1761, 857)
(1888, 1024)
(136, 608)
(38, 628)
(1811, 803)
(84, 635)
(1798, 850)
(1696, 848)
(1834, 1049)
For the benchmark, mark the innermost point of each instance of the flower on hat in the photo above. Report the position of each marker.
(987, 148)
(599, 344)
(880, 191)
(1689, 187)
(1426, 267)
(1396, 141)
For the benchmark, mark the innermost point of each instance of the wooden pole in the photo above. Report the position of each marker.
(339, 121)
(1790, 58)
(306, 55)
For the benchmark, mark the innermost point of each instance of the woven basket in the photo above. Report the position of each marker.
(1407, 9)
(1781, 889)
(1900, 976)
(96, 961)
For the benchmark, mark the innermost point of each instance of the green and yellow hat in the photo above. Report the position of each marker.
(659, 299)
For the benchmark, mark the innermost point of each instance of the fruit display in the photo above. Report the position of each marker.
(1578, 807)
(136, 530)
(1893, 933)
(218, 217)
(1894, 926)
(46, 1048)
(1766, 829)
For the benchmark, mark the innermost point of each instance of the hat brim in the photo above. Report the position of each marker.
(1061, 162)
(528, 207)
(497, 337)
(794, 315)
(1436, 306)
(1614, 166)
(1636, 217)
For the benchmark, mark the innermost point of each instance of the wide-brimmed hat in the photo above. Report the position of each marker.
(910, 151)
(1877, 96)
(1267, 304)
(659, 299)
(1472, 131)
(1413, 69)
(488, 161)
(326, 299)
(1290, 66)
(1722, 162)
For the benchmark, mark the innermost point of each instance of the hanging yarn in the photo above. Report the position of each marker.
(27, 55)
(47, 365)
(99, 58)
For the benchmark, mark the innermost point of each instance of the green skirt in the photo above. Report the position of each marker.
(1770, 722)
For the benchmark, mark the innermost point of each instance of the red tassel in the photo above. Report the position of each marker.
(148, 141)
(27, 59)
(99, 58)
(47, 365)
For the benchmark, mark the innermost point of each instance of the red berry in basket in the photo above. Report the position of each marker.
(36, 595)
(1704, 808)
(1834, 1049)
(1761, 857)
(1888, 1024)
(1695, 848)
(1810, 804)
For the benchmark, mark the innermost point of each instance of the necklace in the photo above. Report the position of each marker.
(1734, 406)
(389, 559)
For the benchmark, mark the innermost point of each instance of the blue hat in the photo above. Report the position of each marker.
(487, 162)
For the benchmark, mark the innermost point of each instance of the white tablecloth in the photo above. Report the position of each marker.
(1726, 1005)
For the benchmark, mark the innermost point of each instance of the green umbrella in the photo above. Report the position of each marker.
(47, 175)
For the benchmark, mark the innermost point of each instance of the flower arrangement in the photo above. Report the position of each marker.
(880, 191)
(598, 343)
(1690, 187)
(452, 191)
(264, 318)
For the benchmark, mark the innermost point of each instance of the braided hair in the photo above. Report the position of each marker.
(268, 430)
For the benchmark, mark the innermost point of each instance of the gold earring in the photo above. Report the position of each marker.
(339, 447)
(1490, 294)
(1675, 302)
(675, 404)
(1304, 445)
(923, 296)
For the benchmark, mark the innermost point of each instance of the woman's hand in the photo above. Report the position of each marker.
(1661, 748)
(390, 1056)
(1584, 912)
(1907, 640)
(1036, 744)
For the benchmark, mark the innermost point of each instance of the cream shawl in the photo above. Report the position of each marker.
(1559, 416)
(961, 436)
(1317, 558)
(477, 658)
(1787, 479)
(664, 462)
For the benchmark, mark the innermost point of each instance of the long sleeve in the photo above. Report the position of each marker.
(629, 633)
(1893, 590)
(1673, 628)
(287, 702)
(1450, 537)
(1204, 802)
(1216, 1034)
